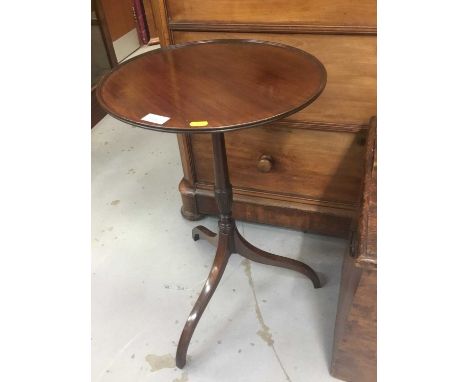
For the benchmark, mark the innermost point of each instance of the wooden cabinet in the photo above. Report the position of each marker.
(317, 154)
(355, 344)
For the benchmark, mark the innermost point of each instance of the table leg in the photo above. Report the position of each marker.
(200, 232)
(217, 270)
(228, 241)
(249, 251)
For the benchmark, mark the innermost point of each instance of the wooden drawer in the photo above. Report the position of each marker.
(315, 181)
(324, 12)
(350, 94)
(320, 165)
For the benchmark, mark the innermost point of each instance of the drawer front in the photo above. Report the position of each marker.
(350, 94)
(320, 165)
(321, 12)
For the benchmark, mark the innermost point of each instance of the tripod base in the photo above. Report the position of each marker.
(227, 243)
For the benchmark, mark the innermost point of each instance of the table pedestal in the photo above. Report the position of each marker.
(227, 241)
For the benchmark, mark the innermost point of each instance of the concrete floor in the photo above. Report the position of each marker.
(147, 273)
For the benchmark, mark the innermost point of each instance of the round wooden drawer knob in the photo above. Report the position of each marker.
(265, 163)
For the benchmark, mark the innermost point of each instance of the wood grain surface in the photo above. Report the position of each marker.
(119, 16)
(365, 250)
(355, 343)
(291, 154)
(210, 86)
(350, 94)
(325, 12)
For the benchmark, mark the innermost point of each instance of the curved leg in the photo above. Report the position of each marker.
(244, 248)
(200, 232)
(217, 270)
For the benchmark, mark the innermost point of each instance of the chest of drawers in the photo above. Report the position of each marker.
(305, 171)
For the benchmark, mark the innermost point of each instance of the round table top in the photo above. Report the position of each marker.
(212, 86)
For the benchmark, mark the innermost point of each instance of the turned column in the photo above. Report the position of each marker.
(222, 188)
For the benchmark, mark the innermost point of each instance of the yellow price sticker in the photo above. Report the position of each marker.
(198, 123)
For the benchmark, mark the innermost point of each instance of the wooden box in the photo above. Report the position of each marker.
(316, 156)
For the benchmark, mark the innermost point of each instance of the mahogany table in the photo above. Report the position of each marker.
(213, 87)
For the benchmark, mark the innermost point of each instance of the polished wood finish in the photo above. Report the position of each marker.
(254, 82)
(162, 21)
(119, 14)
(317, 12)
(151, 22)
(333, 183)
(282, 210)
(106, 36)
(260, 73)
(272, 27)
(350, 95)
(227, 241)
(223, 253)
(291, 152)
(355, 343)
(342, 35)
(97, 112)
(265, 163)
